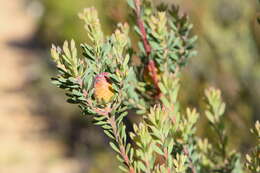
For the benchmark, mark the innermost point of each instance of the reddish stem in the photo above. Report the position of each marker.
(140, 23)
(146, 44)
(112, 122)
(154, 73)
(155, 76)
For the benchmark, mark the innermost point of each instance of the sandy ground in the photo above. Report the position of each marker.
(23, 148)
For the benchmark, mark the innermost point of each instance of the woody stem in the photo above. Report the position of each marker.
(141, 27)
(123, 153)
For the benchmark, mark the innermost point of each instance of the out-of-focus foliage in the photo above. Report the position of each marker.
(253, 160)
(228, 58)
(61, 22)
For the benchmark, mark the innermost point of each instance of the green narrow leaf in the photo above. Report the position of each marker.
(123, 168)
(165, 101)
(158, 150)
(108, 133)
(114, 147)
(100, 123)
(119, 158)
(107, 127)
(126, 60)
(162, 88)
(210, 116)
(131, 4)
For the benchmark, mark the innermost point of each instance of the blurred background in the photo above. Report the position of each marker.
(41, 133)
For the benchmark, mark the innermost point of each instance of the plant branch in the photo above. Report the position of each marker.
(153, 70)
(221, 137)
(141, 27)
(112, 122)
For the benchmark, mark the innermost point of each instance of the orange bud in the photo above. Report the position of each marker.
(103, 88)
(151, 73)
(152, 76)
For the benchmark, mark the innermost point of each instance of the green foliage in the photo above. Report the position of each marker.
(221, 158)
(60, 19)
(165, 46)
(228, 58)
(165, 140)
(253, 160)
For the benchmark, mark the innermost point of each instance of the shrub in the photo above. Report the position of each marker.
(105, 85)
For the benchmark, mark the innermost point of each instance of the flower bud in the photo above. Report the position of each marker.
(151, 74)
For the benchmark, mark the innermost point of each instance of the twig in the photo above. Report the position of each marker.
(146, 44)
(154, 75)
(140, 23)
(112, 122)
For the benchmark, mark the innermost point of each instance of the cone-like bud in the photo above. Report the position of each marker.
(103, 88)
